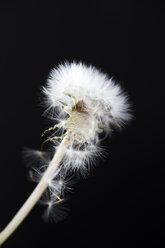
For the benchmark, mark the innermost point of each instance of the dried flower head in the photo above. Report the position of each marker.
(82, 102)
(85, 102)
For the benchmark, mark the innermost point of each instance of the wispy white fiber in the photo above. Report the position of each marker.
(82, 102)
(100, 93)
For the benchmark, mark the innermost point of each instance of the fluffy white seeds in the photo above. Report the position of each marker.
(83, 102)
(102, 97)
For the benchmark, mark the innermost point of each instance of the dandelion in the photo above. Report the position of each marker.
(83, 104)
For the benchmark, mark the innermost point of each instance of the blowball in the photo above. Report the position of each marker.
(85, 102)
(82, 103)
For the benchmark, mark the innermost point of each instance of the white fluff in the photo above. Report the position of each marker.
(102, 101)
(101, 94)
(85, 102)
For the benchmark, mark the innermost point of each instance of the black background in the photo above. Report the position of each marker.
(122, 202)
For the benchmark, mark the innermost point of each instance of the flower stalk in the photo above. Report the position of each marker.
(37, 193)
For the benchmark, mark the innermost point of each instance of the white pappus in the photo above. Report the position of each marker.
(82, 102)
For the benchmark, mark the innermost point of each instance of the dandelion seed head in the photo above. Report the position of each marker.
(86, 83)
(90, 103)
(83, 103)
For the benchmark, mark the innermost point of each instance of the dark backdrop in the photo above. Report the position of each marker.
(122, 202)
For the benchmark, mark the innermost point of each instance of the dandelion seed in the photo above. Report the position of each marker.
(83, 103)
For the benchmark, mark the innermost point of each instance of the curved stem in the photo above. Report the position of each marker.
(36, 194)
